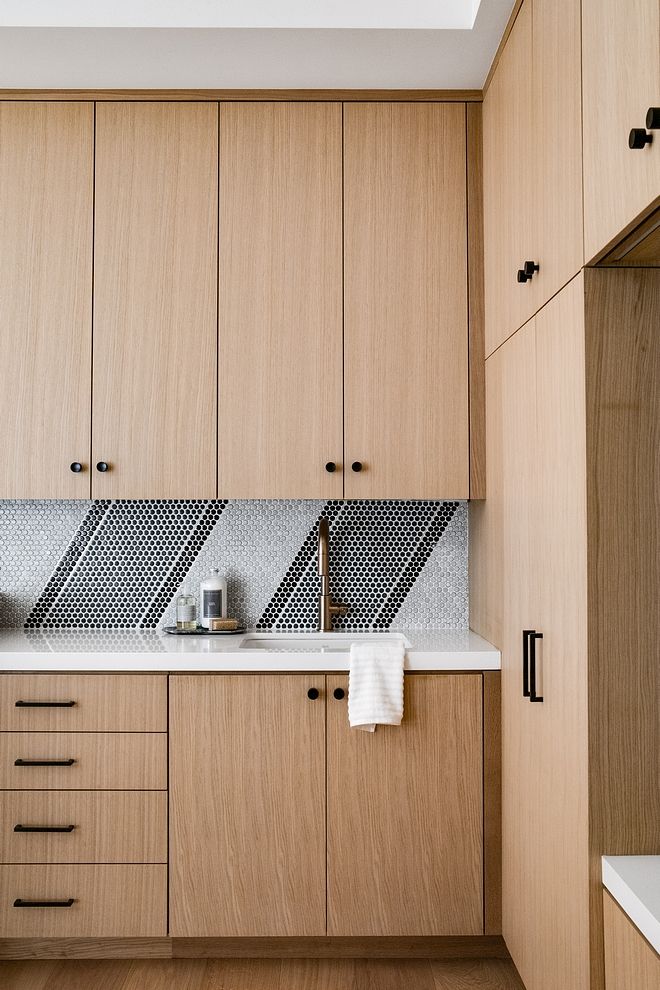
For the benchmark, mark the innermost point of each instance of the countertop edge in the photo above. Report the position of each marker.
(645, 917)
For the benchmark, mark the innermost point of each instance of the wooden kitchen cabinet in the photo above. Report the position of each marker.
(155, 300)
(620, 82)
(405, 813)
(540, 375)
(405, 301)
(630, 961)
(46, 197)
(572, 427)
(532, 166)
(280, 415)
(247, 805)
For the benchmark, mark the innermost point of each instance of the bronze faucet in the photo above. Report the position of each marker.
(327, 608)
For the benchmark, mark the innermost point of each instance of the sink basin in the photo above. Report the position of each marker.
(315, 642)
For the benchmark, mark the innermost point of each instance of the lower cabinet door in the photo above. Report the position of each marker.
(247, 805)
(405, 813)
(83, 901)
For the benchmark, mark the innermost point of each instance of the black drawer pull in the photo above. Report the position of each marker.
(44, 828)
(526, 634)
(338, 693)
(44, 704)
(19, 902)
(533, 696)
(44, 763)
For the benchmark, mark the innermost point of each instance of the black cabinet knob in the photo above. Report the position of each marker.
(76, 467)
(638, 138)
(331, 467)
(338, 693)
(102, 466)
(653, 119)
(527, 271)
(313, 694)
(356, 466)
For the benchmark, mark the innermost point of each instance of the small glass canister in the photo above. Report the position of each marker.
(186, 613)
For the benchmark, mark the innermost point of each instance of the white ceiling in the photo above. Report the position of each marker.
(235, 44)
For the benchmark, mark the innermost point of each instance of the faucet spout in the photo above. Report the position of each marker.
(327, 608)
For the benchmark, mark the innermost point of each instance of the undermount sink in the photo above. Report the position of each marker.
(334, 642)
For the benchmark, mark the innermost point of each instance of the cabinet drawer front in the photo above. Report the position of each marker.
(108, 901)
(101, 760)
(101, 703)
(108, 827)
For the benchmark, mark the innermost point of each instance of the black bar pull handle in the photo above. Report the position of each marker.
(44, 704)
(44, 763)
(526, 634)
(44, 828)
(19, 902)
(533, 696)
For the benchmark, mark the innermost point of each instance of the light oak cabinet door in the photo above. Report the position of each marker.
(630, 961)
(544, 747)
(155, 288)
(620, 82)
(280, 318)
(508, 184)
(46, 197)
(405, 301)
(532, 165)
(247, 805)
(405, 813)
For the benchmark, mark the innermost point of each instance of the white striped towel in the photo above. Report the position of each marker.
(375, 685)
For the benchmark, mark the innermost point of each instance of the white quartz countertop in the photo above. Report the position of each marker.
(634, 882)
(153, 650)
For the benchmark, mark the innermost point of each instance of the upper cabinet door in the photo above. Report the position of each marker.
(532, 166)
(556, 170)
(46, 197)
(405, 302)
(621, 81)
(280, 292)
(155, 298)
(508, 183)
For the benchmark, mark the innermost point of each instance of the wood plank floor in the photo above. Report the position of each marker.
(260, 974)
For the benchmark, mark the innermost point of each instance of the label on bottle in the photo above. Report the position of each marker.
(212, 604)
(185, 613)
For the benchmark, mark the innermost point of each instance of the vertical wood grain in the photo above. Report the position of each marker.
(476, 316)
(509, 238)
(46, 196)
(555, 207)
(405, 814)
(247, 805)
(516, 393)
(405, 301)
(620, 81)
(558, 906)
(486, 518)
(280, 318)
(623, 439)
(629, 959)
(492, 739)
(155, 286)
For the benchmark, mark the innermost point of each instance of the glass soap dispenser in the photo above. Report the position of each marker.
(186, 613)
